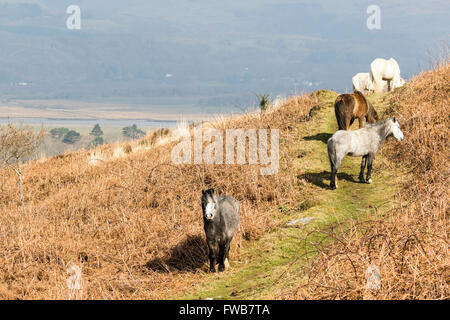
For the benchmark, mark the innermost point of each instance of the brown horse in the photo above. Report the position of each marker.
(349, 107)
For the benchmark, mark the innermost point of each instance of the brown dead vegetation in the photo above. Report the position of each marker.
(410, 244)
(129, 217)
(132, 220)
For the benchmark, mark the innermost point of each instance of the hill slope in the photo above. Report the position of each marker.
(132, 220)
(277, 261)
(398, 225)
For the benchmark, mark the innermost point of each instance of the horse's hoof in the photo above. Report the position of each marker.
(221, 268)
(227, 264)
(369, 181)
(333, 187)
(212, 270)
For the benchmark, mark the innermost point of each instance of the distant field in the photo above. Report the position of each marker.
(82, 110)
(112, 117)
(112, 131)
(84, 126)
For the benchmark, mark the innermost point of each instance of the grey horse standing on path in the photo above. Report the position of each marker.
(364, 143)
(221, 219)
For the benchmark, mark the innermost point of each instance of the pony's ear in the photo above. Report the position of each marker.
(203, 192)
(394, 119)
(211, 191)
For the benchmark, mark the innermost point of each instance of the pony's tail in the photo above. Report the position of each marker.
(331, 152)
(339, 109)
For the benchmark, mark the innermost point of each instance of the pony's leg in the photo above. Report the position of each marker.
(378, 83)
(370, 159)
(227, 252)
(361, 122)
(333, 183)
(348, 123)
(222, 257)
(349, 126)
(212, 256)
(363, 167)
(335, 162)
(334, 169)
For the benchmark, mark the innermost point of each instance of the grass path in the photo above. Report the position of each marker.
(273, 264)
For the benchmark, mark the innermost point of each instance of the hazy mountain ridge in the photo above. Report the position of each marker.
(209, 52)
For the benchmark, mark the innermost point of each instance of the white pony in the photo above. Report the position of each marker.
(388, 70)
(364, 143)
(361, 81)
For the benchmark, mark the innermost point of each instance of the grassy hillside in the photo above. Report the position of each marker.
(132, 220)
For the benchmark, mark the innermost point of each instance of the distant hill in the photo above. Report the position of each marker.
(207, 52)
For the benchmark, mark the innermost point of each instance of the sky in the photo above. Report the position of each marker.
(207, 52)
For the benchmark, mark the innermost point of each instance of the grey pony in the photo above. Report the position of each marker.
(363, 142)
(221, 219)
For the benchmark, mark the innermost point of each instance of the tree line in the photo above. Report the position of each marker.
(68, 136)
(19, 144)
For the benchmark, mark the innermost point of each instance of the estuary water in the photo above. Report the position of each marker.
(55, 122)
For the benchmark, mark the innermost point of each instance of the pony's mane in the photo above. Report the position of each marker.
(384, 127)
(377, 124)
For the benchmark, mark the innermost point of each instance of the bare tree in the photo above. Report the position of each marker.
(18, 144)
